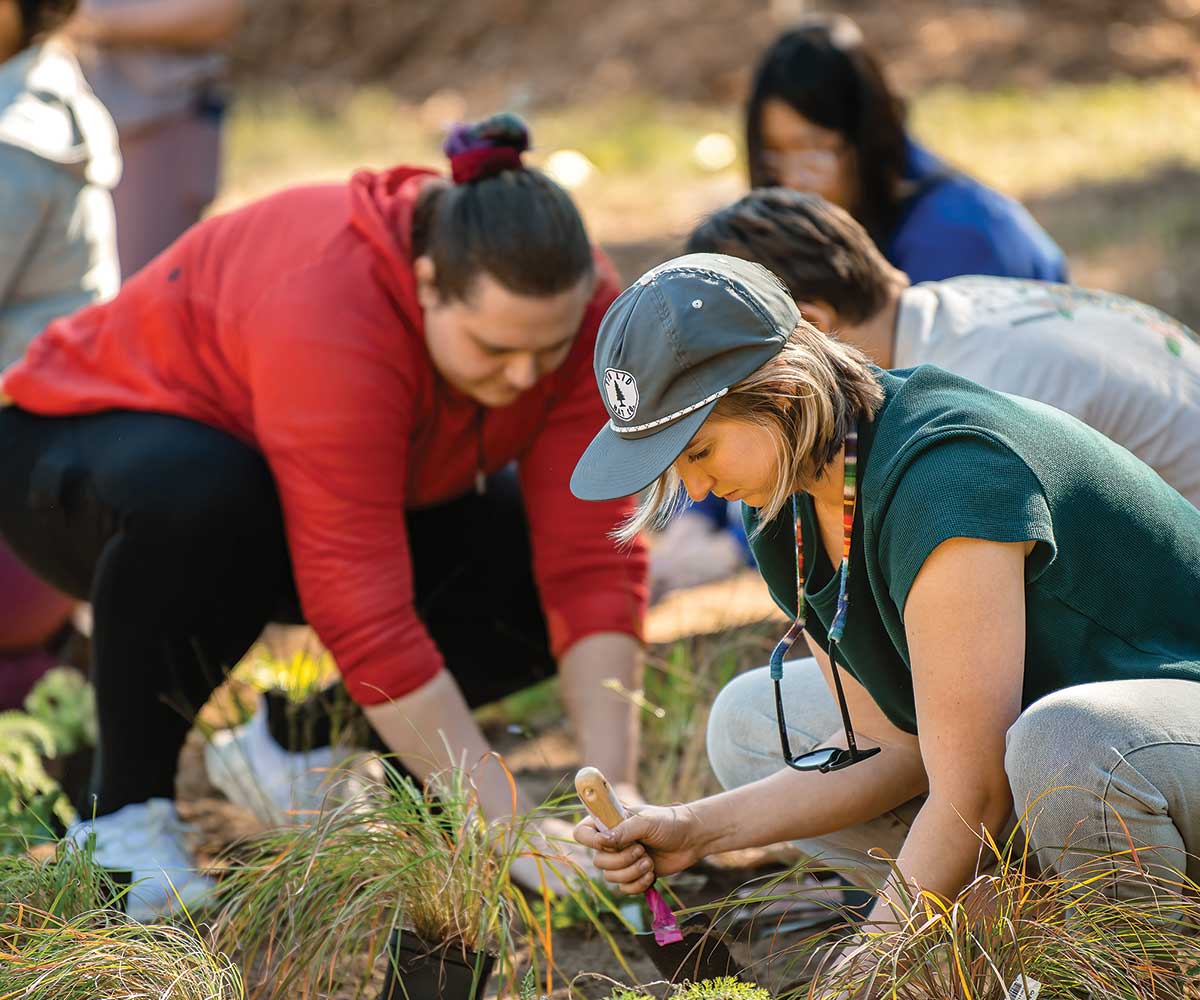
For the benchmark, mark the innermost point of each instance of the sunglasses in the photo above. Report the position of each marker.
(823, 759)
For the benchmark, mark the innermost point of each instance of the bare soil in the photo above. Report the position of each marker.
(529, 52)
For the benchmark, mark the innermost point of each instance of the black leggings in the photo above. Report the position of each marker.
(173, 530)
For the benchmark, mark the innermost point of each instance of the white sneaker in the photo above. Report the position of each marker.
(146, 839)
(255, 772)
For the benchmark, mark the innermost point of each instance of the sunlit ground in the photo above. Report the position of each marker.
(1113, 170)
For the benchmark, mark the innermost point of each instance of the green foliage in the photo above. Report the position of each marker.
(622, 993)
(60, 718)
(725, 988)
(591, 901)
(30, 799)
(64, 701)
(529, 990)
(531, 708)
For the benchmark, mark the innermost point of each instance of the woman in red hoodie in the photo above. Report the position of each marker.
(322, 396)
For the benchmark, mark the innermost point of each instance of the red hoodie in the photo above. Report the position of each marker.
(293, 324)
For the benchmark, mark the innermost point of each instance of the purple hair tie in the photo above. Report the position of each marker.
(486, 148)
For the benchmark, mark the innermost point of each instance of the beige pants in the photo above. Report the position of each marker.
(1118, 747)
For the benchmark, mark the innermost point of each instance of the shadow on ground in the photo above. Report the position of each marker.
(1140, 237)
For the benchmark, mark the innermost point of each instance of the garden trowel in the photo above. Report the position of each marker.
(689, 951)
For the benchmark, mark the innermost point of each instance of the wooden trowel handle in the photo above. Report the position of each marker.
(596, 793)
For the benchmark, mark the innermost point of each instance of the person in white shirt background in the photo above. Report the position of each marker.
(1123, 367)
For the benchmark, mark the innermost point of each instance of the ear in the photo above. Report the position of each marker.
(426, 274)
(820, 314)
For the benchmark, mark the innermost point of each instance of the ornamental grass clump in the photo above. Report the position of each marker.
(106, 957)
(65, 886)
(1011, 933)
(61, 940)
(423, 862)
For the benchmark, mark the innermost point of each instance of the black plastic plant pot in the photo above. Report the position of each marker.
(112, 896)
(417, 970)
(300, 726)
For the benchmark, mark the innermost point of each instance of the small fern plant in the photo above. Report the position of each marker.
(30, 800)
(64, 701)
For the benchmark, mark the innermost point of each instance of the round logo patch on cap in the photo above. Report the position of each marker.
(622, 392)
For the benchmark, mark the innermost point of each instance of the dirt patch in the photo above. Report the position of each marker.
(522, 52)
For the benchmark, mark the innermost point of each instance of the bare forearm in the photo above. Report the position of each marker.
(605, 720)
(432, 729)
(943, 849)
(794, 805)
(183, 24)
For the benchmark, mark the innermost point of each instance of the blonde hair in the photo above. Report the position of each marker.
(806, 398)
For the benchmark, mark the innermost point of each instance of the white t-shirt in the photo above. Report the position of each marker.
(1126, 369)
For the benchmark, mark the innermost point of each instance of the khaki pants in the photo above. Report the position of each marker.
(1117, 747)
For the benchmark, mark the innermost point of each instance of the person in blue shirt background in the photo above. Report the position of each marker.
(822, 118)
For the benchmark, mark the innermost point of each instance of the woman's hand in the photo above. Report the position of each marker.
(651, 841)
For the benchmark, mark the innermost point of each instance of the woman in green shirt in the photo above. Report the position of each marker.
(1010, 598)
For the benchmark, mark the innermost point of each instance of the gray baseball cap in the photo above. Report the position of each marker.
(670, 346)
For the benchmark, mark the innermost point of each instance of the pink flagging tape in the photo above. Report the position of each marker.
(666, 927)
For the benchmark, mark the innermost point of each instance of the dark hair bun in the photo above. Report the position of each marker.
(482, 149)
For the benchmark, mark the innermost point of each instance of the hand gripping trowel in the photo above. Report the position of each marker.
(691, 951)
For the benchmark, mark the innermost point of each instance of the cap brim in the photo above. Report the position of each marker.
(616, 465)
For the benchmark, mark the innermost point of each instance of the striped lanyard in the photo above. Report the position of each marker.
(849, 497)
